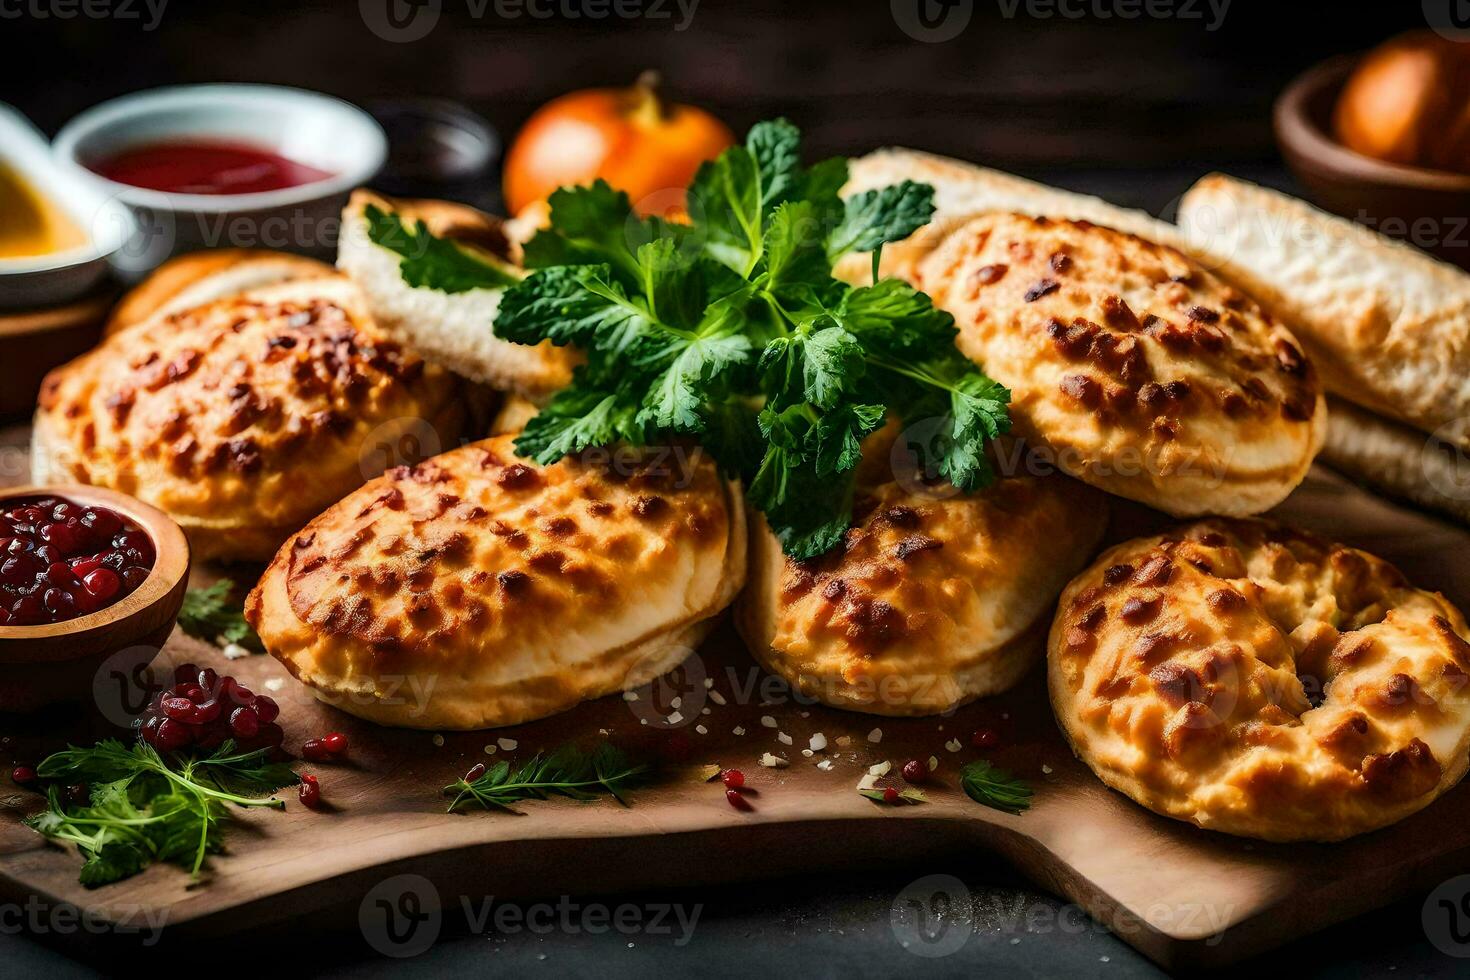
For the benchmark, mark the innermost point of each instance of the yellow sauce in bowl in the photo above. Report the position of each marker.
(30, 223)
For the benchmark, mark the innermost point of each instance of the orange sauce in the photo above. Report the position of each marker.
(30, 223)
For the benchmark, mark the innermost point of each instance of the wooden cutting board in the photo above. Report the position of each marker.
(1182, 896)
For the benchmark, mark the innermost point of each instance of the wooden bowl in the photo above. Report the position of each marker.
(1426, 208)
(59, 662)
(32, 343)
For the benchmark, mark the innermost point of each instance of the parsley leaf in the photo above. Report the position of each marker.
(142, 809)
(733, 330)
(210, 615)
(436, 263)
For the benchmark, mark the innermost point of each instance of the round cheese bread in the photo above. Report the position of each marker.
(933, 599)
(1141, 372)
(478, 589)
(1255, 680)
(244, 417)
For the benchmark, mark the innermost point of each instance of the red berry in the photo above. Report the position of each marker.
(208, 679)
(102, 583)
(23, 775)
(335, 743)
(733, 778)
(171, 735)
(915, 771)
(985, 738)
(314, 751)
(310, 792)
(179, 709)
(890, 795)
(266, 708)
(476, 771)
(244, 723)
(738, 801)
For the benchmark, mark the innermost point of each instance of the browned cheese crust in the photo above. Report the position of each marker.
(479, 589)
(244, 417)
(1145, 375)
(1256, 680)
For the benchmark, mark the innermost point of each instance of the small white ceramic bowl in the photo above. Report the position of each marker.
(53, 279)
(310, 128)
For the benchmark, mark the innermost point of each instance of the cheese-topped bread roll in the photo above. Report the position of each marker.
(1141, 372)
(453, 329)
(198, 277)
(931, 600)
(244, 417)
(500, 590)
(1256, 680)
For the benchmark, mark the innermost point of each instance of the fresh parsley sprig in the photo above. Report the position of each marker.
(143, 810)
(569, 771)
(732, 329)
(211, 615)
(995, 788)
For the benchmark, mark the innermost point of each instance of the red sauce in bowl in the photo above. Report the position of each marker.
(60, 559)
(206, 167)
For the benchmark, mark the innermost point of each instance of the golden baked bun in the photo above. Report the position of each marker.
(198, 277)
(1255, 680)
(930, 601)
(478, 589)
(1141, 372)
(455, 330)
(244, 417)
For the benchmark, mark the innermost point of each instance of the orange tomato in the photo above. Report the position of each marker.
(629, 137)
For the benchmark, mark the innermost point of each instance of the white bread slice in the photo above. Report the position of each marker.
(963, 190)
(1387, 325)
(454, 330)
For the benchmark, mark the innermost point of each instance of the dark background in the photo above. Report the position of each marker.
(1132, 109)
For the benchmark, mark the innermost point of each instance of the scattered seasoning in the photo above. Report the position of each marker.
(438, 740)
(768, 721)
(675, 718)
(817, 742)
(630, 695)
(717, 698)
(773, 761)
(737, 730)
(490, 749)
(875, 736)
(783, 738)
(825, 765)
(953, 745)
(880, 768)
(701, 729)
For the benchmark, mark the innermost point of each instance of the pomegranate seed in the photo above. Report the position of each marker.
(208, 679)
(314, 751)
(244, 723)
(23, 775)
(738, 801)
(207, 711)
(915, 771)
(476, 771)
(171, 735)
(179, 709)
(185, 674)
(985, 738)
(335, 743)
(890, 795)
(266, 708)
(102, 583)
(310, 791)
(733, 778)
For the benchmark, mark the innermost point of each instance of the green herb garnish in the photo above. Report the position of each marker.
(732, 329)
(569, 771)
(210, 615)
(911, 795)
(996, 788)
(436, 262)
(142, 810)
